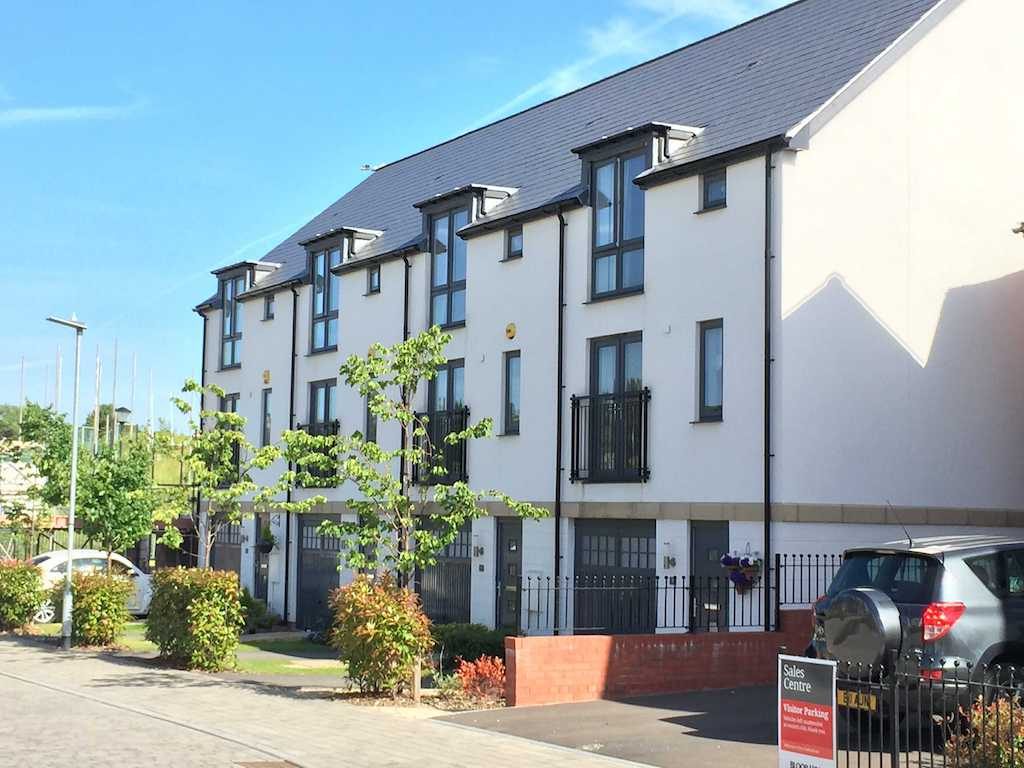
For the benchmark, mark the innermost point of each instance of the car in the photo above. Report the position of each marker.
(54, 567)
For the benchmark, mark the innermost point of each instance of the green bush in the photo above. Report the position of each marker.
(380, 630)
(99, 607)
(21, 593)
(466, 641)
(195, 617)
(256, 614)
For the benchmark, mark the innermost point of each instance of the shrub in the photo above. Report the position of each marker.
(99, 607)
(21, 593)
(380, 630)
(195, 617)
(466, 641)
(255, 612)
(483, 678)
(981, 737)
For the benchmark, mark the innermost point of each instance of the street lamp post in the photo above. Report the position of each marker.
(66, 608)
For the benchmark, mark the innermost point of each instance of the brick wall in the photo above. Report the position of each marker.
(553, 670)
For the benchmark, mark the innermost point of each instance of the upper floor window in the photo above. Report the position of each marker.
(265, 421)
(713, 189)
(448, 269)
(512, 392)
(618, 224)
(231, 322)
(711, 365)
(514, 243)
(370, 433)
(268, 307)
(373, 279)
(326, 300)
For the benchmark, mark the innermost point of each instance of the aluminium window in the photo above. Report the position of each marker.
(618, 226)
(229, 404)
(370, 434)
(326, 299)
(231, 321)
(513, 368)
(373, 279)
(448, 269)
(268, 307)
(713, 190)
(513, 243)
(711, 370)
(265, 421)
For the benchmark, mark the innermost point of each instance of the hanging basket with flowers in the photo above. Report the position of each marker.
(743, 570)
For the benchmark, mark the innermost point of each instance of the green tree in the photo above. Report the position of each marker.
(387, 534)
(10, 422)
(47, 436)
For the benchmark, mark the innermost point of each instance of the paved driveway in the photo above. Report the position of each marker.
(123, 713)
(697, 730)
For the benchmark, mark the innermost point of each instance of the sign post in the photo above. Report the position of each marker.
(807, 713)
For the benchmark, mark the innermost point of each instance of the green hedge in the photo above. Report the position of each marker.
(195, 617)
(99, 607)
(256, 614)
(21, 593)
(466, 641)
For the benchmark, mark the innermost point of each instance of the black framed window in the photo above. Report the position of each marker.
(713, 189)
(326, 300)
(373, 279)
(231, 321)
(229, 404)
(616, 364)
(712, 358)
(370, 434)
(446, 391)
(618, 226)
(448, 269)
(323, 402)
(265, 420)
(513, 368)
(514, 243)
(268, 307)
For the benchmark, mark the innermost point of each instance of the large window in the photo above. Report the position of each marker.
(326, 300)
(711, 369)
(266, 418)
(231, 325)
(448, 269)
(322, 403)
(446, 413)
(618, 211)
(512, 395)
(447, 389)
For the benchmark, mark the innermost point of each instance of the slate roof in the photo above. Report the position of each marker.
(745, 85)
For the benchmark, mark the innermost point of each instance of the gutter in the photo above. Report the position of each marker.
(559, 419)
(768, 256)
(291, 426)
(655, 175)
(202, 392)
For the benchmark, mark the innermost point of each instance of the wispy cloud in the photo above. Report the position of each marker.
(23, 115)
(629, 40)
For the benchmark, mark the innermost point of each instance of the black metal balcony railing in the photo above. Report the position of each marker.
(322, 476)
(438, 425)
(609, 437)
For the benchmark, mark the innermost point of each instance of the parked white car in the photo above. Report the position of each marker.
(54, 567)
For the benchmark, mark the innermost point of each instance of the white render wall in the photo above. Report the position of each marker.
(901, 343)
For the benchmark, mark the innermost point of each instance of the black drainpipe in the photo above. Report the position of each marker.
(291, 426)
(558, 413)
(202, 391)
(768, 387)
(405, 337)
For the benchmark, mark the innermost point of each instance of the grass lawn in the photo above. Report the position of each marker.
(293, 656)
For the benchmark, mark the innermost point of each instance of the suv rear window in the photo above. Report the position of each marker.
(906, 578)
(1001, 572)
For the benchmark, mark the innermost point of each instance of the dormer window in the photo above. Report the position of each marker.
(448, 268)
(618, 225)
(326, 299)
(231, 321)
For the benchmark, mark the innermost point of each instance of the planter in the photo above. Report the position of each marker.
(265, 547)
(743, 571)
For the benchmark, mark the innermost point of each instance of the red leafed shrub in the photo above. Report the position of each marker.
(483, 678)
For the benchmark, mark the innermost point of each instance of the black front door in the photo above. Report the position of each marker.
(509, 573)
(318, 573)
(709, 586)
(615, 585)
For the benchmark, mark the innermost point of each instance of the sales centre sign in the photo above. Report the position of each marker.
(807, 713)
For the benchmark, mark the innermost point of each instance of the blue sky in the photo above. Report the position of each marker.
(142, 145)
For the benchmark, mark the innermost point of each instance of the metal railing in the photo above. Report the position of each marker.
(801, 579)
(609, 437)
(444, 590)
(438, 425)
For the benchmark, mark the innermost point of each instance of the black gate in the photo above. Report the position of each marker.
(226, 554)
(444, 587)
(318, 573)
(615, 589)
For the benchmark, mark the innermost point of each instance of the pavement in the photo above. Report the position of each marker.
(86, 709)
(697, 730)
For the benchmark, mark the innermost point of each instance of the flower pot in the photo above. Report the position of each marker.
(265, 547)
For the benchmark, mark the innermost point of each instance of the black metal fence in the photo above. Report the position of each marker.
(609, 437)
(452, 457)
(616, 603)
(894, 714)
(444, 589)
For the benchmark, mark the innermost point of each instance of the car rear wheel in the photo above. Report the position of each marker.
(46, 613)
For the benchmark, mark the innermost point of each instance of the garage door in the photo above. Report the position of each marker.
(227, 548)
(444, 588)
(615, 587)
(318, 572)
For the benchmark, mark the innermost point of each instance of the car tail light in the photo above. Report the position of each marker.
(931, 674)
(938, 619)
